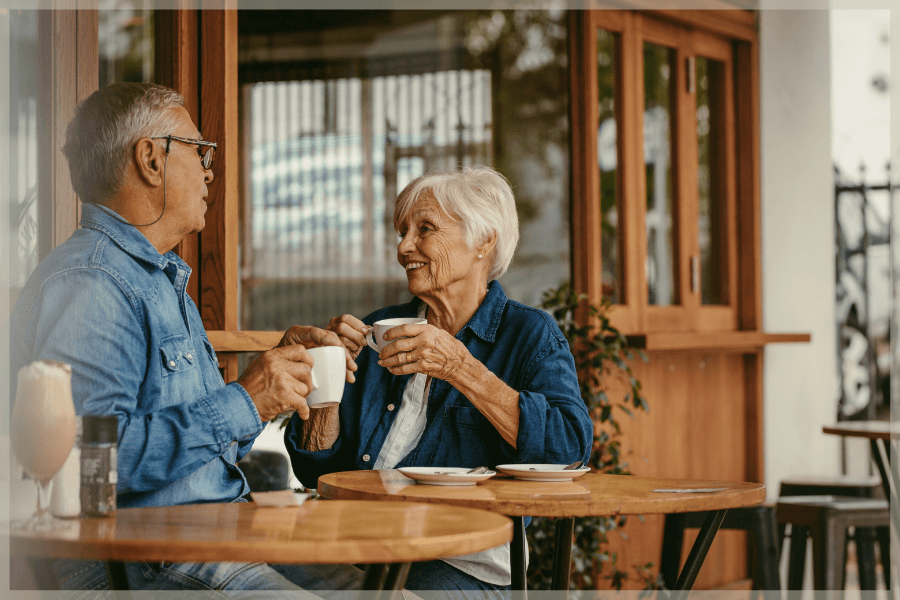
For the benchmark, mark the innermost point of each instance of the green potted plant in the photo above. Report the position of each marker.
(600, 353)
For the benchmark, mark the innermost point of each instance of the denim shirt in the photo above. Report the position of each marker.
(106, 302)
(521, 345)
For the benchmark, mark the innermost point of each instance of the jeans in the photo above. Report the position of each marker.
(438, 580)
(247, 580)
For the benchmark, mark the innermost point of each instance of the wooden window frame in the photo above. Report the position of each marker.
(728, 37)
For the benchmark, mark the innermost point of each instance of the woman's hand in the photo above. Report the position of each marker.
(351, 332)
(313, 337)
(423, 349)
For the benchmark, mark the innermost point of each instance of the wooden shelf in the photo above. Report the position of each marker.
(733, 341)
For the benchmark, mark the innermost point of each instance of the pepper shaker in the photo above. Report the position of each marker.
(99, 474)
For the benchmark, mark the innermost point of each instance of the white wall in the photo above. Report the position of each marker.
(797, 196)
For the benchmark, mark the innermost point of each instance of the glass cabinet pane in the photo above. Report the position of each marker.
(607, 158)
(659, 73)
(710, 182)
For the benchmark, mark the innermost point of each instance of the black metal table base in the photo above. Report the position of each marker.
(881, 454)
(563, 553)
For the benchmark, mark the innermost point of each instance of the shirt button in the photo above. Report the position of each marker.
(189, 356)
(172, 363)
(366, 458)
(390, 407)
(406, 428)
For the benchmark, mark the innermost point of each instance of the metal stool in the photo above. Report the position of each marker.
(825, 519)
(759, 521)
(864, 537)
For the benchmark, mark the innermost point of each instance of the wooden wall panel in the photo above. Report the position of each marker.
(697, 428)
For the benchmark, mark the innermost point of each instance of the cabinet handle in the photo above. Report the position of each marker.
(691, 75)
(695, 274)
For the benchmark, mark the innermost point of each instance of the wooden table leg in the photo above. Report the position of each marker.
(562, 557)
(118, 578)
(708, 530)
(517, 555)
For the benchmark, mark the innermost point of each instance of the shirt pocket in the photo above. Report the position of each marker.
(211, 352)
(177, 355)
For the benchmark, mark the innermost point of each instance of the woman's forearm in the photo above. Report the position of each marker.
(498, 402)
(321, 429)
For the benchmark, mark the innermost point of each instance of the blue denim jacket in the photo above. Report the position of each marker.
(523, 346)
(106, 302)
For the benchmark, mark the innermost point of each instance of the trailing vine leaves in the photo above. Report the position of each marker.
(600, 352)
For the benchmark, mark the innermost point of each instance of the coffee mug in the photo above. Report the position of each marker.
(328, 376)
(375, 337)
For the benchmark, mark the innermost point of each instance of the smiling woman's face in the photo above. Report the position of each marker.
(434, 253)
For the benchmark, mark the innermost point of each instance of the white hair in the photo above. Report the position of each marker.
(101, 136)
(478, 197)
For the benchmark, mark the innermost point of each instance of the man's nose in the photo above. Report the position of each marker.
(208, 175)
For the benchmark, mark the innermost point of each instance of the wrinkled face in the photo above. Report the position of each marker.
(434, 253)
(186, 179)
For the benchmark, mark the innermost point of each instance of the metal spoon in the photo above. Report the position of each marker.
(574, 466)
(477, 471)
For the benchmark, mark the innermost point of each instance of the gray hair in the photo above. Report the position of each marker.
(105, 128)
(480, 198)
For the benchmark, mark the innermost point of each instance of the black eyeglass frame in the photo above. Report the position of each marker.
(206, 159)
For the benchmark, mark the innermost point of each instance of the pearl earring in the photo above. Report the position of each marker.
(479, 256)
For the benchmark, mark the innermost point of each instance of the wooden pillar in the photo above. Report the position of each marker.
(218, 251)
(177, 42)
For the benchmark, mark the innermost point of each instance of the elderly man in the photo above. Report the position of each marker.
(112, 302)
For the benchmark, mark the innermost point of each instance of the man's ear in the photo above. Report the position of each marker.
(149, 161)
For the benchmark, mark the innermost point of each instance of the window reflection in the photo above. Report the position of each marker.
(659, 70)
(710, 181)
(607, 155)
(125, 42)
(28, 240)
(337, 120)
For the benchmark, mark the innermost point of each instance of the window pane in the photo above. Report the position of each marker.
(659, 71)
(27, 216)
(710, 184)
(341, 110)
(126, 44)
(607, 155)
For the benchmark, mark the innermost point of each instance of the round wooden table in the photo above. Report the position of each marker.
(879, 434)
(587, 496)
(316, 532)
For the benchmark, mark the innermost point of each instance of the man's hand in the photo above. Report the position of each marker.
(279, 380)
(313, 337)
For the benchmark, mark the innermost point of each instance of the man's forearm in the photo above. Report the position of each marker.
(321, 429)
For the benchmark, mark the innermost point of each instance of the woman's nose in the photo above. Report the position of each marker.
(405, 244)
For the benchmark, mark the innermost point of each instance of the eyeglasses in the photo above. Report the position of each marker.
(206, 158)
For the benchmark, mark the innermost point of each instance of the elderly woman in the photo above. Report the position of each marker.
(486, 381)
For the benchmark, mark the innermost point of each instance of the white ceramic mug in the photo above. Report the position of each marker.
(328, 376)
(375, 337)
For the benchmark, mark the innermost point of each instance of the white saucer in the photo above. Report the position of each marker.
(445, 475)
(542, 472)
